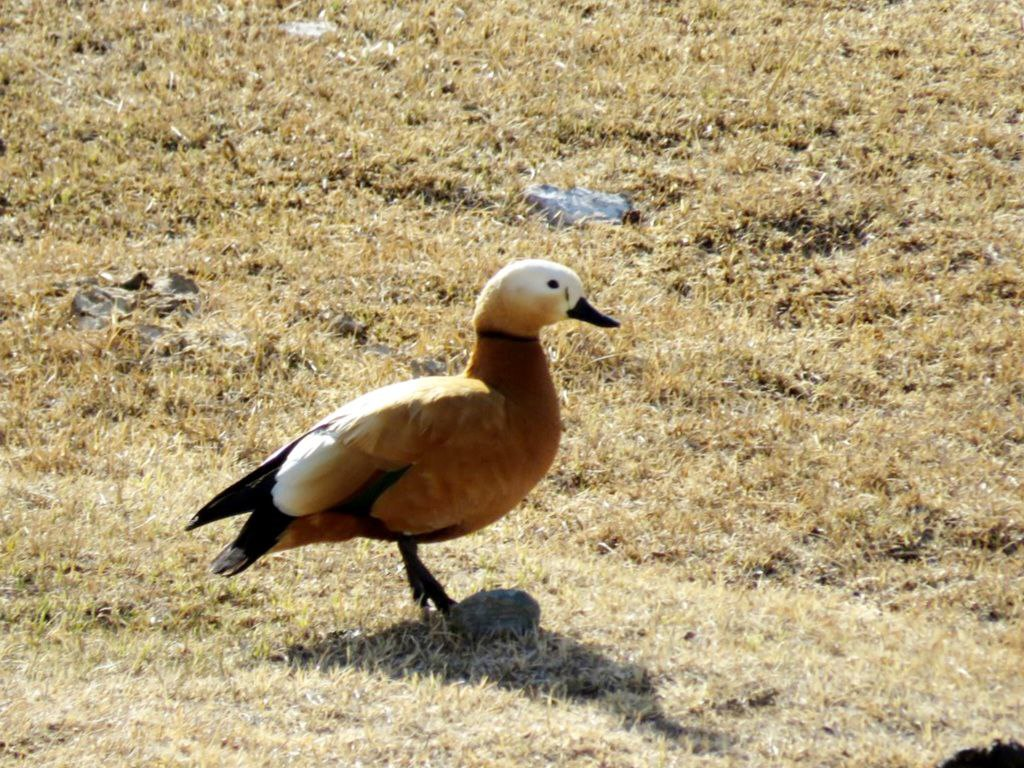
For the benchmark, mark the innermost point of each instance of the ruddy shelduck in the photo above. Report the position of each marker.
(424, 460)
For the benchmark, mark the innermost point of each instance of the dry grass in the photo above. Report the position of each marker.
(786, 525)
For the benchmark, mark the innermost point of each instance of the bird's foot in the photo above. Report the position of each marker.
(443, 603)
(425, 588)
(427, 596)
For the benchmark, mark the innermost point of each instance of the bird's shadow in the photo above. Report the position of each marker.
(547, 665)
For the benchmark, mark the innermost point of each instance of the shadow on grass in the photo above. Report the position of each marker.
(548, 666)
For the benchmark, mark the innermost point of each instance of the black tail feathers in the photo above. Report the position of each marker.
(230, 561)
(244, 495)
(238, 502)
(260, 533)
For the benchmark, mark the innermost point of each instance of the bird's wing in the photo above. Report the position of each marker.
(362, 448)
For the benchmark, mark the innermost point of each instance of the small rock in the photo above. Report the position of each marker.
(313, 29)
(95, 306)
(61, 287)
(496, 613)
(998, 754)
(149, 334)
(381, 350)
(428, 366)
(168, 305)
(346, 325)
(174, 291)
(565, 207)
(176, 284)
(137, 281)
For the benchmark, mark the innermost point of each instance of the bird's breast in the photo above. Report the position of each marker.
(460, 488)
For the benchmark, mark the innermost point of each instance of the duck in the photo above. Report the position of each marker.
(424, 460)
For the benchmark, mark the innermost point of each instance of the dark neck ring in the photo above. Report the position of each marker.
(505, 336)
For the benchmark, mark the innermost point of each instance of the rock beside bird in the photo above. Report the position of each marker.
(496, 613)
(579, 205)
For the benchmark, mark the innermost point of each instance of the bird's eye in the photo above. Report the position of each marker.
(552, 284)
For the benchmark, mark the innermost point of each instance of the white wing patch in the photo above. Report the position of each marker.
(326, 459)
(310, 460)
(384, 430)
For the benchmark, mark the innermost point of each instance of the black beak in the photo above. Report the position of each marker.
(583, 311)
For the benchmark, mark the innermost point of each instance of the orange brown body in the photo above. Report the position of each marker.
(424, 460)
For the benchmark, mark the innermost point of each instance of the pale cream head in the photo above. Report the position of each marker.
(526, 295)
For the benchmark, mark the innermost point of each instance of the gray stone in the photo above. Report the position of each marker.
(428, 366)
(95, 306)
(135, 282)
(175, 284)
(381, 350)
(175, 292)
(566, 207)
(149, 334)
(496, 613)
(346, 325)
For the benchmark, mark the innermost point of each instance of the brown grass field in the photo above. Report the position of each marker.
(786, 526)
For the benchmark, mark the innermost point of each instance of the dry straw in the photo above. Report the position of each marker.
(785, 524)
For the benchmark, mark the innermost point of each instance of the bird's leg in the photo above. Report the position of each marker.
(419, 594)
(424, 585)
